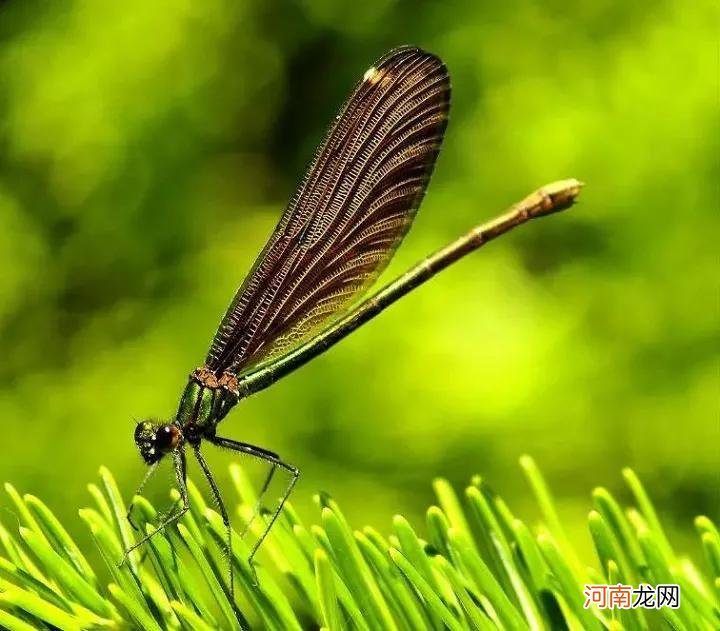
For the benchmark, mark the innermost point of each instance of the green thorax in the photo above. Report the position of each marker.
(203, 406)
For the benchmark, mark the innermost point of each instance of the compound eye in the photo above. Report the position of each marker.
(166, 438)
(143, 431)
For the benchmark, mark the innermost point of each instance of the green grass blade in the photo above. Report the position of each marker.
(414, 552)
(483, 504)
(572, 589)
(531, 555)
(190, 618)
(119, 513)
(25, 515)
(62, 542)
(547, 507)
(488, 539)
(438, 525)
(159, 599)
(485, 582)
(648, 511)
(329, 607)
(412, 549)
(432, 600)
(606, 545)
(164, 560)
(477, 619)
(354, 571)
(451, 506)
(101, 501)
(211, 579)
(111, 550)
(11, 547)
(711, 544)
(293, 562)
(41, 609)
(711, 547)
(243, 485)
(399, 596)
(12, 623)
(65, 574)
(20, 578)
(139, 614)
(631, 556)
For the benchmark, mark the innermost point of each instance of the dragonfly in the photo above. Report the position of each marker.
(308, 287)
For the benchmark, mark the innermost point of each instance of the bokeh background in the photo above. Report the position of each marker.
(148, 148)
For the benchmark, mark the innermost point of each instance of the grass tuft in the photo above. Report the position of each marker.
(479, 567)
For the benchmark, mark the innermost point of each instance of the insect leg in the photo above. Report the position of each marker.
(148, 474)
(223, 512)
(272, 458)
(261, 496)
(181, 477)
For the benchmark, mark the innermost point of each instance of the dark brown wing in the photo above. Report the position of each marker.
(354, 206)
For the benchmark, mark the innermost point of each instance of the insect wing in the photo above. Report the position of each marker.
(347, 218)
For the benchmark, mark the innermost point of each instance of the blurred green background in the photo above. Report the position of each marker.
(148, 148)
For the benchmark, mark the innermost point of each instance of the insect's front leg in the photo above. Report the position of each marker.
(150, 472)
(181, 477)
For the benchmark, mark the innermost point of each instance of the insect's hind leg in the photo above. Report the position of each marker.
(276, 462)
(260, 498)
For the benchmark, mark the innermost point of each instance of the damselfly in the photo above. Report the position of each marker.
(347, 218)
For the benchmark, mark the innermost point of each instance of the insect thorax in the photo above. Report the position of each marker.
(206, 399)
